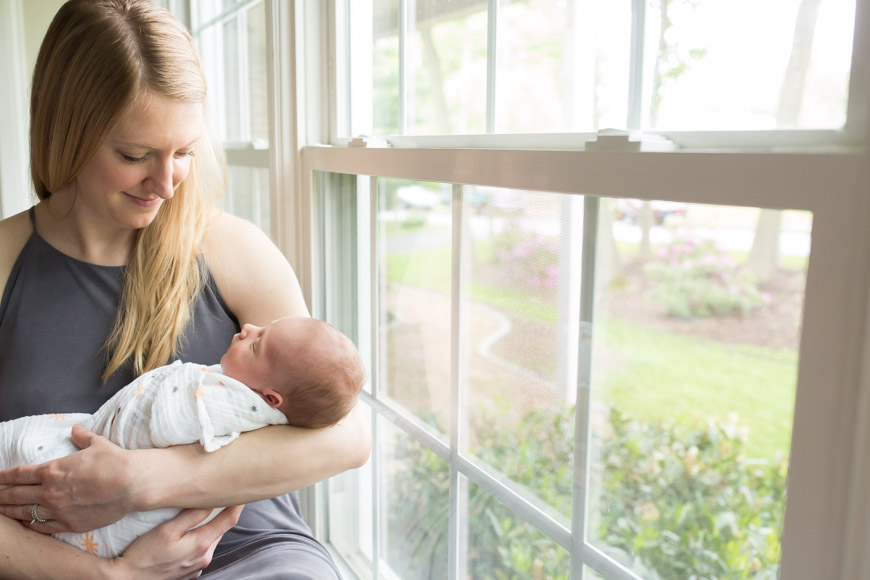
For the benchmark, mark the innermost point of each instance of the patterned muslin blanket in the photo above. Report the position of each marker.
(172, 405)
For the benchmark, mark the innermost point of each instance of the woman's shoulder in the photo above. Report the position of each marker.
(255, 279)
(14, 233)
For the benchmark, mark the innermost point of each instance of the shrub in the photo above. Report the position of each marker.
(696, 279)
(674, 501)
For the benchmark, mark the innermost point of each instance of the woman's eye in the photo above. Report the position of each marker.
(131, 159)
(182, 155)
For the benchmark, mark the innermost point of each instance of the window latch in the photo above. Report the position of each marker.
(622, 140)
(366, 141)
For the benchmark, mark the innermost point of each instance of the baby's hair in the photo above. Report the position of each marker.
(323, 364)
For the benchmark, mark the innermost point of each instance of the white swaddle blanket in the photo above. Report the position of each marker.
(172, 405)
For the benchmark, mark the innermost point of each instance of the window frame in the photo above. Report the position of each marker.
(826, 533)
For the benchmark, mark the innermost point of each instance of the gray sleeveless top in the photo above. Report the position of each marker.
(55, 315)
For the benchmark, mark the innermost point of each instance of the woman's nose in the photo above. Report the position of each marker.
(161, 182)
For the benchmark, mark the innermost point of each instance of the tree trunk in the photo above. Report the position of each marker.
(764, 256)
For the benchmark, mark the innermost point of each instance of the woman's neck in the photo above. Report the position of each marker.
(73, 232)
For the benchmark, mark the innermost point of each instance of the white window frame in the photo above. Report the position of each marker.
(247, 152)
(827, 533)
(16, 190)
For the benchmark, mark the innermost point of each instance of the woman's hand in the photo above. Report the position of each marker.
(171, 552)
(77, 493)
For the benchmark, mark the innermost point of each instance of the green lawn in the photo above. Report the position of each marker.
(667, 376)
(658, 376)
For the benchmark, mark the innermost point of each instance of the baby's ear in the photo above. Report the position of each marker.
(273, 398)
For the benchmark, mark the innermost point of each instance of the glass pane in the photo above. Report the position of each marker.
(205, 10)
(521, 341)
(414, 485)
(501, 545)
(695, 357)
(231, 128)
(567, 66)
(258, 105)
(742, 64)
(446, 68)
(569, 58)
(247, 195)
(414, 234)
(385, 68)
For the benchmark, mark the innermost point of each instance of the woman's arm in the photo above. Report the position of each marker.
(260, 464)
(168, 552)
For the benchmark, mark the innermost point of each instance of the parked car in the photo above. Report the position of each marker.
(416, 196)
(628, 210)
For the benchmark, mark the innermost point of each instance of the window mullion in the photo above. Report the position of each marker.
(582, 410)
(635, 67)
(491, 66)
(374, 376)
(458, 521)
(244, 75)
(403, 64)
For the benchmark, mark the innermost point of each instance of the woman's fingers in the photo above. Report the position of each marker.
(21, 475)
(173, 550)
(76, 491)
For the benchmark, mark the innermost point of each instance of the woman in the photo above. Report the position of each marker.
(121, 267)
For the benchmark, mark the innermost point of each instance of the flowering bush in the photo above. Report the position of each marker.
(528, 260)
(696, 279)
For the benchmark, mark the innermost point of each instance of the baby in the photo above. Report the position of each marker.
(296, 370)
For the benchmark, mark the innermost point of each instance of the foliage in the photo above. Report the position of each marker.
(687, 503)
(673, 502)
(694, 278)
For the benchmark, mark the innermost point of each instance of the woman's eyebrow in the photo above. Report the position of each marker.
(124, 143)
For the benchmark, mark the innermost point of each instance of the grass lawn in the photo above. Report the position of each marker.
(667, 376)
(658, 376)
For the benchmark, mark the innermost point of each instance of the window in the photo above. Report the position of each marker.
(596, 354)
(231, 40)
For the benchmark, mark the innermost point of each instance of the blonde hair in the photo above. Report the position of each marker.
(97, 58)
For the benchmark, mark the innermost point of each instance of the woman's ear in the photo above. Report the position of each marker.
(273, 398)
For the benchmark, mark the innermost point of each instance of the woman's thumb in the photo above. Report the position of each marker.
(81, 436)
(190, 518)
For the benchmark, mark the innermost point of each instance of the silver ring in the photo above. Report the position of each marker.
(36, 519)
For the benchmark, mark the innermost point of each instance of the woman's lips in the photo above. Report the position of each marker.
(143, 202)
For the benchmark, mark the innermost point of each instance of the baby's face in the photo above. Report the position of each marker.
(255, 350)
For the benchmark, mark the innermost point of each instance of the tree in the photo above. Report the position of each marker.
(763, 257)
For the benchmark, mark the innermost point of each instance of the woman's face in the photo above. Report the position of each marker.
(145, 157)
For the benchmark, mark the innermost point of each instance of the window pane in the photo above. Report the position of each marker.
(414, 292)
(247, 195)
(521, 337)
(742, 64)
(415, 492)
(501, 545)
(385, 70)
(562, 66)
(570, 66)
(696, 336)
(446, 73)
(231, 90)
(258, 104)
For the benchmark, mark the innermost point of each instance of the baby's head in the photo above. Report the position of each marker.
(304, 367)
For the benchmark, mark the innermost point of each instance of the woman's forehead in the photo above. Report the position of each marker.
(156, 122)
